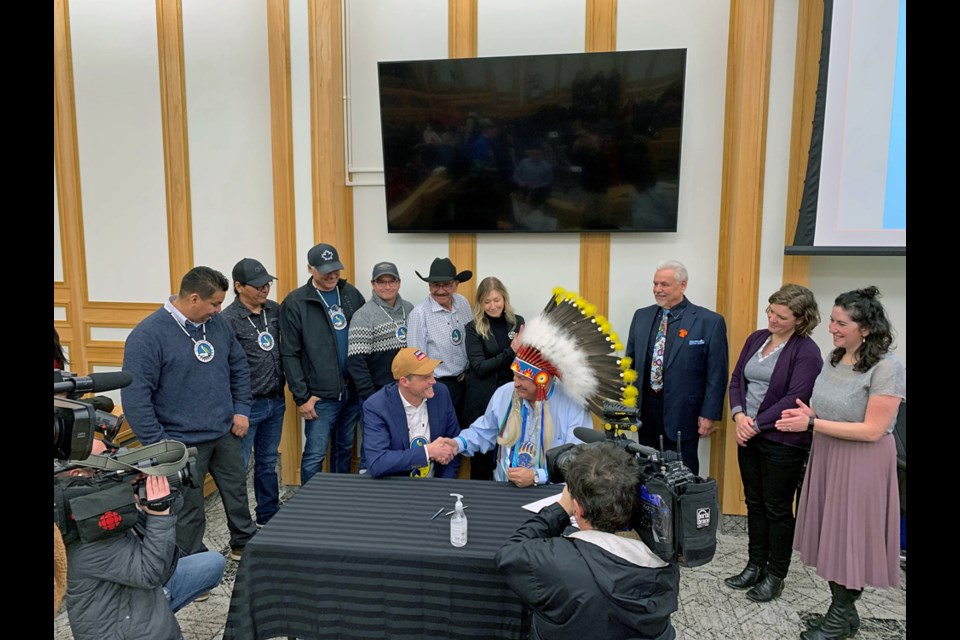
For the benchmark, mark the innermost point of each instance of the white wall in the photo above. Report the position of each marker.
(120, 141)
(228, 115)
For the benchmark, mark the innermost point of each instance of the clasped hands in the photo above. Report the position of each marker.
(443, 450)
(795, 419)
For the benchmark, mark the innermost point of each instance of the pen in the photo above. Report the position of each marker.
(450, 513)
(439, 511)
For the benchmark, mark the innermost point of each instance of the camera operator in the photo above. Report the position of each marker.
(592, 583)
(131, 584)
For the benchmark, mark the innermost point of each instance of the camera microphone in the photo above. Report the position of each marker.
(592, 435)
(94, 383)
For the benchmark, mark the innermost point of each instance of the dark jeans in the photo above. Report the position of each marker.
(266, 427)
(335, 426)
(223, 459)
(770, 472)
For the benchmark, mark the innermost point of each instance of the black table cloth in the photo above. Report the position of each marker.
(352, 556)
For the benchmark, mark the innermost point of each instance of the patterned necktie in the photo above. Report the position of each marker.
(656, 366)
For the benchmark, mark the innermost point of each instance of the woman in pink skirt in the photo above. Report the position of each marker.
(848, 519)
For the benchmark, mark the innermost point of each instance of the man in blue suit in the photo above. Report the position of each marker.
(405, 422)
(680, 352)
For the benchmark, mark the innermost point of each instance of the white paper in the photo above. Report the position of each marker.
(535, 507)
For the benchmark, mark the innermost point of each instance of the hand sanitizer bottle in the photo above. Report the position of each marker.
(458, 524)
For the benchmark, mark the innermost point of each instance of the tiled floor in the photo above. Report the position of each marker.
(708, 609)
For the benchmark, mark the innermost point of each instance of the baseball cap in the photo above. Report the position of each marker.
(410, 361)
(252, 272)
(324, 258)
(383, 269)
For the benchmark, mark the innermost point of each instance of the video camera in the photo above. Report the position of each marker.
(676, 512)
(99, 505)
(75, 421)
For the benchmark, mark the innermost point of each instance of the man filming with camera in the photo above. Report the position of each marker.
(125, 575)
(592, 583)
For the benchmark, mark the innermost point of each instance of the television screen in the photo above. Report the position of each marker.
(562, 142)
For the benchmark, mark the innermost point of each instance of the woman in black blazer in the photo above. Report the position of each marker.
(492, 340)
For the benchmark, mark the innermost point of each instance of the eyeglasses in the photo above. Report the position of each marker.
(387, 283)
(265, 287)
(450, 284)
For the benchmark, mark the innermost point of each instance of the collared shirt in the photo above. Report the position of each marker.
(418, 426)
(266, 371)
(482, 435)
(177, 314)
(431, 328)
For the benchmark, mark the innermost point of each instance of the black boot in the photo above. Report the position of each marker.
(853, 617)
(835, 625)
(767, 589)
(751, 575)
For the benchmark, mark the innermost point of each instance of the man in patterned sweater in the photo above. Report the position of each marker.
(378, 331)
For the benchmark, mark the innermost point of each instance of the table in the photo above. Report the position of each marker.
(351, 556)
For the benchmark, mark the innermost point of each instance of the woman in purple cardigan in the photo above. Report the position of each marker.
(778, 366)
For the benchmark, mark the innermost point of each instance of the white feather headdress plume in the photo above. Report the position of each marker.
(570, 341)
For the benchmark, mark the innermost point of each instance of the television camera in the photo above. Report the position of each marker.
(96, 503)
(676, 512)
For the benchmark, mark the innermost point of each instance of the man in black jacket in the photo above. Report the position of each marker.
(592, 583)
(314, 321)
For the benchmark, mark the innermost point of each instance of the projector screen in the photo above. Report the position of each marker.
(854, 197)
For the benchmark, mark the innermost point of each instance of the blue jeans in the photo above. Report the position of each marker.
(266, 427)
(195, 574)
(335, 425)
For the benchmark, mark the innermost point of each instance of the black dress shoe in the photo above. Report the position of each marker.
(751, 575)
(767, 589)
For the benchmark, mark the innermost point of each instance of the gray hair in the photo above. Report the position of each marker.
(679, 271)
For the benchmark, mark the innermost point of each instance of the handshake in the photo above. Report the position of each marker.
(443, 450)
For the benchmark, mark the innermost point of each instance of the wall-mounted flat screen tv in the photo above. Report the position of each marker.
(545, 143)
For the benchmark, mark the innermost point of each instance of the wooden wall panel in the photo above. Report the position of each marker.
(601, 35)
(796, 269)
(72, 293)
(176, 149)
(741, 207)
(462, 43)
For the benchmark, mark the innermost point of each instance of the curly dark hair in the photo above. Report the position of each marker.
(865, 309)
(603, 478)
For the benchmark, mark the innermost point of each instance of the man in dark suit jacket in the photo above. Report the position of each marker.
(682, 364)
(403, 421)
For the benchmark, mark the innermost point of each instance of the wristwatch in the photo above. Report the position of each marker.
(810, 423)
(536, 478)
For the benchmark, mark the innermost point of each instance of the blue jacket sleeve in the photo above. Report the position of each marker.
(382, 460)
(717, 372)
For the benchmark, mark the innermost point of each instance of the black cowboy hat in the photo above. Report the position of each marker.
(442, 270)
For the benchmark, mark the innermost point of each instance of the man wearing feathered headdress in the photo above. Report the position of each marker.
(563, 365)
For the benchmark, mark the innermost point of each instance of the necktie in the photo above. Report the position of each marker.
(656, 366)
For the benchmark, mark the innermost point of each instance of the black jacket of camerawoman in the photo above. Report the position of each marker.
(590, 585)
